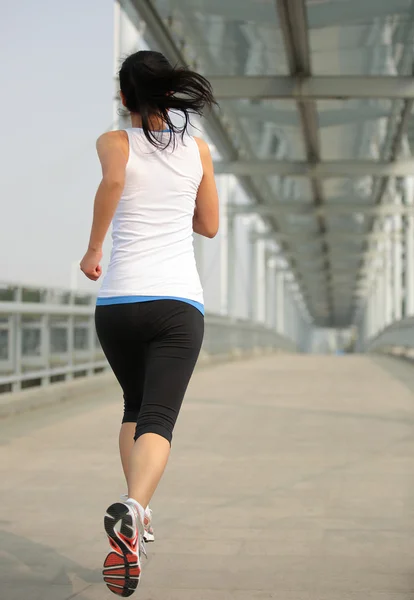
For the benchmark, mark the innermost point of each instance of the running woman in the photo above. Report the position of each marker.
(157, 188)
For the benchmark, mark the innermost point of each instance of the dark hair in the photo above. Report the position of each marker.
(152, 86)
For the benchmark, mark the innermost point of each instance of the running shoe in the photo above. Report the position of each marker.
(125, 531)
(148, 528)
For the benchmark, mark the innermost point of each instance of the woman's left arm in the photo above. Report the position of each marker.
(113, 151)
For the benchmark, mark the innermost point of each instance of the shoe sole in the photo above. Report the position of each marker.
(148, 537)
(122, 568)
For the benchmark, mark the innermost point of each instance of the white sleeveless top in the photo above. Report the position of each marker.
(153, 253)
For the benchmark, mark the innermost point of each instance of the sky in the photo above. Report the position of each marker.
(57, 79)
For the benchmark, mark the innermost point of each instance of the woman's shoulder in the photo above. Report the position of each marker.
(203, 148)
(113, 137)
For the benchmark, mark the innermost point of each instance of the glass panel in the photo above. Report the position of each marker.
(58, 339)
(4, 344)
(80, 338)
(31, 341)
(345, 223)
(353, 128)
(272, 127)
(354, 37)
(302, 224)
(229, 38)
(7, 293)
(348, 188)
(278, 113)
(291, 189)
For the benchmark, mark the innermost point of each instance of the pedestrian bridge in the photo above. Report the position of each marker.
(290, 478)
(291, 472)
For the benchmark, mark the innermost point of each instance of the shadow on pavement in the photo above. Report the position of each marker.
(30, 570)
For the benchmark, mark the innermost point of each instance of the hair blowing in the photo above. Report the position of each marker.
(152, 87)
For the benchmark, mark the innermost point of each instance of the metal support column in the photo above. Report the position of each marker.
(223, 190)
(381, 301)
(252, 301)
(280, 302)
(227, 255)
(397, 255)
(409, 253)
(388, 296)
(261, 281)
(231, 265)
(374, 313)
(288, 312)
(377, 306)
(270, 292)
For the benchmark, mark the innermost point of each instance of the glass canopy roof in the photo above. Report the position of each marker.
(322, 151)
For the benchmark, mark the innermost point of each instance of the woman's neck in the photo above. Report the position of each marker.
(156, 123)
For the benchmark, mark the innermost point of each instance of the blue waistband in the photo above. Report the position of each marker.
(132, 299)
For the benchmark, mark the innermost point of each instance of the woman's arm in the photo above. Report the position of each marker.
(112, 150)
(206, 215)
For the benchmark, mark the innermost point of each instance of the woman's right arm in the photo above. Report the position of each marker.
(206, 215)
(113, 152)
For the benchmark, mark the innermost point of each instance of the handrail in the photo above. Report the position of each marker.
(397, 339)
(54, 337)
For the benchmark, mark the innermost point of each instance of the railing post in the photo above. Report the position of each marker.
(70, 338)
(17, 335)
(91, 344)
(45, 346)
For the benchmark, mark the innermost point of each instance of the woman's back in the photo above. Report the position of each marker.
(153, 252)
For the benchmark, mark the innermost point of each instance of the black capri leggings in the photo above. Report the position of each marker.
(152, 348)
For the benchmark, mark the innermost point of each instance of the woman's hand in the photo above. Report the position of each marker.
(90, 264)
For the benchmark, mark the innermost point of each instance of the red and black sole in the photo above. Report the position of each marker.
(122, 567)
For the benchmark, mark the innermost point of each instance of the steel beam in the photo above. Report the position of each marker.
(334, 236)
(322, 170)
(344, 208)
(327, 118)
(293, 22)
(324, 87)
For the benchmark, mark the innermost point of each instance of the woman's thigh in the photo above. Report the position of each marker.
(171, 357)
(123, 342)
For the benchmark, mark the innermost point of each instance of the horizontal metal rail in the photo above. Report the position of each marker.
(396, 339)
(48, 336)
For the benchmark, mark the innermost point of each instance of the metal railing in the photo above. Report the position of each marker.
(48, 335)
(396, 339)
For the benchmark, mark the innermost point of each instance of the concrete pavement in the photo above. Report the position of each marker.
(291, 478)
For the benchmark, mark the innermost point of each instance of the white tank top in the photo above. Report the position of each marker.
(153, 252)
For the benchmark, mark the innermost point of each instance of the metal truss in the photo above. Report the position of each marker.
(332, 265)
(320, 170)
(305, 87)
